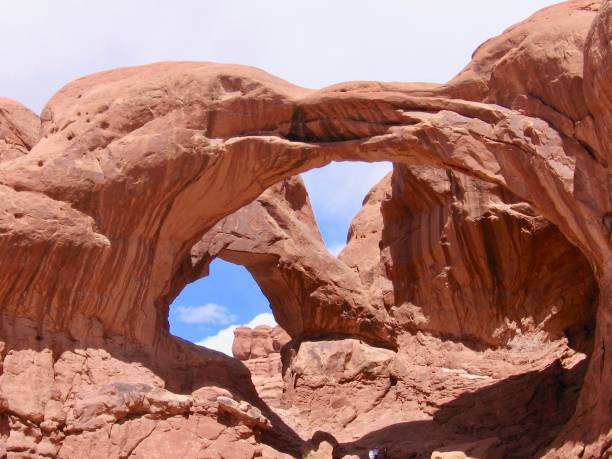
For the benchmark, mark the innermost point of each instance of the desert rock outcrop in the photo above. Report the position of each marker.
(261, 341)
(133, 179)
(19, 129)
(259, 349)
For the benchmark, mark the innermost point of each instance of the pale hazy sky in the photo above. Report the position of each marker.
(47, 43)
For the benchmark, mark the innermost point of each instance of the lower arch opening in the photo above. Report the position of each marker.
(208, 310)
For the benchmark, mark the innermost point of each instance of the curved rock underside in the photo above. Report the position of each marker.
(470, 310)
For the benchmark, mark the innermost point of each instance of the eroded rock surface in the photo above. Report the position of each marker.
(259, 349)
(261, 341)
(19, 129)
(461, 258)
(430, 395)
(276, 238)
(131, 182)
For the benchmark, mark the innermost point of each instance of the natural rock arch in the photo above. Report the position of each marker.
(492, 143)
(134, 166)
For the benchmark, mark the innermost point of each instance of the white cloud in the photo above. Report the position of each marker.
(336, 249)
(222, 341)
(209, 313)
(265, 318)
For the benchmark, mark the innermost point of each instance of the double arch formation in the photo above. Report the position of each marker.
(143, 161)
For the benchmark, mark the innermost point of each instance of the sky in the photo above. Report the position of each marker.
(314, 43)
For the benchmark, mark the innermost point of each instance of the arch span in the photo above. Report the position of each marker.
(156, 172)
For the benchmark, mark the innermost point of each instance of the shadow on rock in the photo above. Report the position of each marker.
(513, 418)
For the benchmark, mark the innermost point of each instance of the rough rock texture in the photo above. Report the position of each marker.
(276, 238)
(66, 398)
(261, 341)
(485, 448)
(259, 349)
(461, 258)
(432, 395)
(19, 129)
(106, 209)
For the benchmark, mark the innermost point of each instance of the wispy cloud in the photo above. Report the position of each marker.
(210, 314)
(223, 340)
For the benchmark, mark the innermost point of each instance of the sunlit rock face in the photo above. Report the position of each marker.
(259, 349)
(260, 341)
(505, 302)
(469, 313)
(462, 258)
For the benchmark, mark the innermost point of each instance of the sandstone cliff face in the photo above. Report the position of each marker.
(260, 341)
(310, 291)
(107, 207)
(431, 250)
(19, 129)
(353, 389)
(259, 349)
(430, 394)
(462, 258)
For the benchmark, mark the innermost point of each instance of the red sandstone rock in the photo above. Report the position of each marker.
(241, 347)
(131, 169)
(458, 257)
(484, 448)
(277, 240)
(19, 129)
(260, 341)
(259, 349)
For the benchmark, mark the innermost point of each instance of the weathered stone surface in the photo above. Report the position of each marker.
(266, 374)
(244, 412)
(113, 402)
(461, 258)
(277, 240)
(320, 446)
(259, 350)
(260, 341)
(597, 91)
(484, 448)
(19, 129)
(130, 170)
(330, 383)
